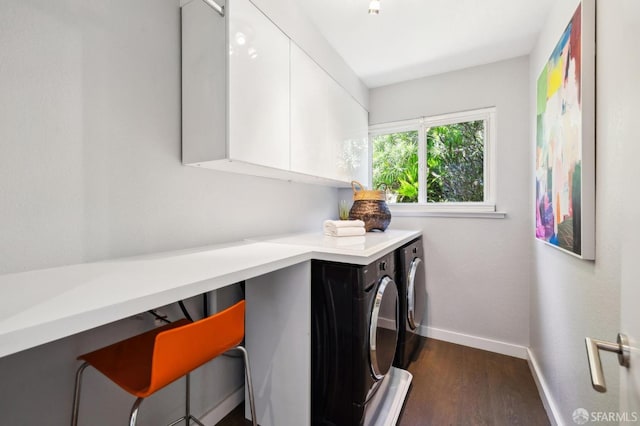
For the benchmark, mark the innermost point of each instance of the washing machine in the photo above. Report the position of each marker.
(351, 351)
(412, 292)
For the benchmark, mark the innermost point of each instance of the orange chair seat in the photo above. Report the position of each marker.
(145, 363)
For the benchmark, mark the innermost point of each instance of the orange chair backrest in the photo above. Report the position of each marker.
(180, 350)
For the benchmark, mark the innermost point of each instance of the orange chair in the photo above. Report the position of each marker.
(144, 364)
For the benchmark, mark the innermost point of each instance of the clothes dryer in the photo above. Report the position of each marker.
(412, 291)
(351, 351)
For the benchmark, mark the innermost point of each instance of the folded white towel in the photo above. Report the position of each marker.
(345, 232)
(343, 228)
(333, 224)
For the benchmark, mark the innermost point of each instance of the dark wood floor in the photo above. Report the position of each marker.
(458, 385)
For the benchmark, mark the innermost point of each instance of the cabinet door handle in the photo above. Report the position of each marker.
(215, 6)
(593, 355)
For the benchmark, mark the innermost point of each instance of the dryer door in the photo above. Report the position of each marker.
(383, 341)
(416, 294)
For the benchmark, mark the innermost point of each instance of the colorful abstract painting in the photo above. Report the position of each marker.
(560, 176)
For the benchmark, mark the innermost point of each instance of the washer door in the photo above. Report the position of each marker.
(416, 293)
(383, 341)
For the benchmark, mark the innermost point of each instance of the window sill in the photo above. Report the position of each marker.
(477, 211)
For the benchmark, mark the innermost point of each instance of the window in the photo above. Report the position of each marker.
(443, 162)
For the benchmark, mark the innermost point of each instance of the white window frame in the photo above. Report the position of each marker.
(486, 208)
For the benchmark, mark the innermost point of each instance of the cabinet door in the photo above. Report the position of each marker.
(354, 149)
(258, 88)
(348, 130)
(311, 150)
(328, 127)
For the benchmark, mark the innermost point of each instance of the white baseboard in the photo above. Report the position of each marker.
(490, 345)
(387, 323)
(549, 405)
(224, 408)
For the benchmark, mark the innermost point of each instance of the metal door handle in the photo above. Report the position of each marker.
(215, 6)
(595, 365)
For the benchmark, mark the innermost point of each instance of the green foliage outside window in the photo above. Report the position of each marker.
(395, 164)
(455, 163)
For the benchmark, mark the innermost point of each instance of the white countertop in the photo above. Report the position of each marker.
(40, 306)
(360, 250)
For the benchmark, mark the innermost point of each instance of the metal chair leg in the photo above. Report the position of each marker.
(187, 402)
(76, 399)
(188, 417)
(191, 418)
(134, 412)
(247, 370)
(76, 394)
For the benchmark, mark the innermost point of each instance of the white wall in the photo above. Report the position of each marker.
(478, 270)
(572, 299)
(90, 169)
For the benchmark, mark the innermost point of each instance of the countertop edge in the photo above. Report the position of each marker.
(36, 325)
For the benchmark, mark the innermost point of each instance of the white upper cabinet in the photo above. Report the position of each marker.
(349, 127)
(253, 102)
(258, 88)
(328, 127)
(311, 151)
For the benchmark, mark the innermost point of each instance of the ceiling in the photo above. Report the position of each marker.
(415, 38)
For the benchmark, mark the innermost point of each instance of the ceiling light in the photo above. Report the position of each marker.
(374, 7)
